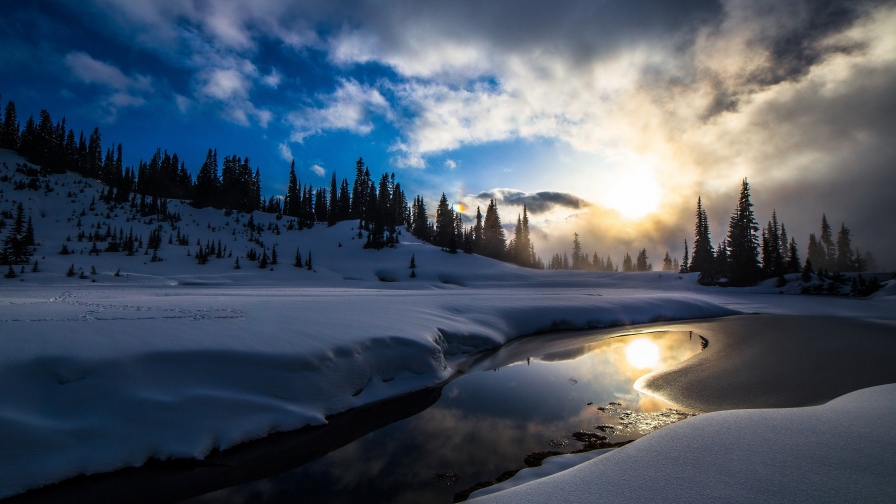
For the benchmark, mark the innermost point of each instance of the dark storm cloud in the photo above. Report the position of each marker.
(536, 203)
(792, 34)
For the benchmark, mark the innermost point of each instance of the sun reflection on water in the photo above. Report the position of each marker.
(642, 354)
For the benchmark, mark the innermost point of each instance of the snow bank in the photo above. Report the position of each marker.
(94, 380)
(822, 454)
(549, 467)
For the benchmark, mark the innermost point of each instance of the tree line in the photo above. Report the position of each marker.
(750, 254)
(380, 205)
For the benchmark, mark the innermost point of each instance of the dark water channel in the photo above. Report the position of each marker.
(487, 421)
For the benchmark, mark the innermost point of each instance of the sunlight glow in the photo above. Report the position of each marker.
(642, 353)
(635, 194)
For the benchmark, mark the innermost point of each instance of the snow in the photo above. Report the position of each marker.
(549, 467)
(175, 359)
(833, 453)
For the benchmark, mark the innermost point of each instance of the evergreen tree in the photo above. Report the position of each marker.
(576, 252)
(9, 133)
(419, 221)
(701, 260)
(345, 203)
(860, 264)
(413, 262)
(444, 223)
(477, 232)
(494, 243)
(359, 190)
(667, 262)
(641, 263)
(827, 244)
(525, 249)
(793, 260)
(742, 242)
(207, 182)
(627, 264)
(845, 258)
(720, 264)
(685, 262)
(292, 203)
(333, 210)
(815, 251)
(806, 275)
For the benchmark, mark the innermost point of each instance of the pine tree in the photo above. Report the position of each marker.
(742, 242)
(494, 243)
(667, 262)
(627, 264)
(576, 252)
(9, 132)
(292, 204)
(641, 263)
(477, 232)
(207, 182)
(685, 266)
(845, 258)
(413, 262)
(298, 260)
(806, 275)
(274, 255)
(815, 251)
(701, 260)
(333, 210)
(308, 265)
(827, 244)
(860, 264)
(793, 260)
(444, 223)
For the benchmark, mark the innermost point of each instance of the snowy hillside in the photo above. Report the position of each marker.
(131, 358)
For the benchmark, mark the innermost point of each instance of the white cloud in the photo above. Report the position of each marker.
(285, 151)
(124, 91)
(318, 170)
(183, 103)
(450, 164)
(349, 108)
(272, 80)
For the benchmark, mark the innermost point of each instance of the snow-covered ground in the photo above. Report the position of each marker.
(837, 452)
(175, 359)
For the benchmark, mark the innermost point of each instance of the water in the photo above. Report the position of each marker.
(488, 420)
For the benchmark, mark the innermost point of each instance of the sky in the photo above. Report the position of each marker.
(606, 118)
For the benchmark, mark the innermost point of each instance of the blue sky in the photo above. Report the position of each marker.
(630, 110)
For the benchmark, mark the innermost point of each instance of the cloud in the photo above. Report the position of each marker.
(124, 91)
(349, 108)
(536, 203)
(226, 80)
(183, 103)
(795, 94)
(450, 164)
(285, 152)
(318, 170)
(272, 80)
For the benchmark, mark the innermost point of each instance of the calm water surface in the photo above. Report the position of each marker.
(485, 423)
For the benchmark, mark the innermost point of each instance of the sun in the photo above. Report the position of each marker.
(634, 195)
(642, 354)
